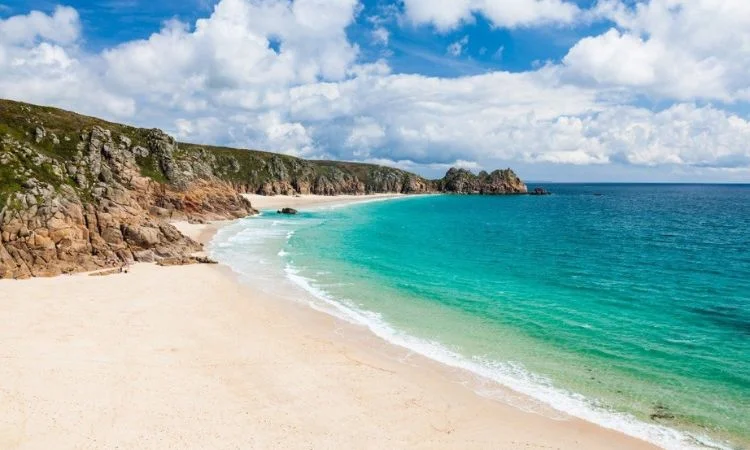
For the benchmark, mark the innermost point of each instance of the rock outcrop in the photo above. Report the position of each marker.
(91, 207)
(540, 191)
(288, 211)
(498, 182)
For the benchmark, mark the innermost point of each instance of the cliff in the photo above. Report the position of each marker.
(498, 182)
(78, 193)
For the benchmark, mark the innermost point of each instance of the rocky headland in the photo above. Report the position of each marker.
(78, 193)
(498, 182)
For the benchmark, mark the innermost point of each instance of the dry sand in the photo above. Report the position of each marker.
(186, 357)
(283, 201)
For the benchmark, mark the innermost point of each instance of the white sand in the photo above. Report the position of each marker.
(186, 357)
(301, 201)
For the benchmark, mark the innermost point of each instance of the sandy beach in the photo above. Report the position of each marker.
(187, 357)
(262, 202)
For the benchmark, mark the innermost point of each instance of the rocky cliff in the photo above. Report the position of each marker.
(272, 174)
(498, 182)
(94, 208)
(79, 193)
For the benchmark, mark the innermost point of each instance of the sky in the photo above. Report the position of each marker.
(559, 90)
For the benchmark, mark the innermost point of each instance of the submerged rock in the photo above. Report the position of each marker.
(661, 412)
(290, 211)
(540, 191)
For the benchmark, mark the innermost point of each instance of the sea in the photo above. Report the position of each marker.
(627, 305)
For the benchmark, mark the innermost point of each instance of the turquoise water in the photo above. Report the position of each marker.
(614, 307)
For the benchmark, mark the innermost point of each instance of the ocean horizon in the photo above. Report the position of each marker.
(625, 304)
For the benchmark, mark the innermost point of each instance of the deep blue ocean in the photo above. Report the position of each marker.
(628, 305)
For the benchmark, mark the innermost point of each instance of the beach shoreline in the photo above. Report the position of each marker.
(190, 357)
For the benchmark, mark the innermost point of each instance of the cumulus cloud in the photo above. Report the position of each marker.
(678, 135)
(678, 49)
(448, 14)
(62, 27)
(283, 76)
(39, 62)
(232, 49)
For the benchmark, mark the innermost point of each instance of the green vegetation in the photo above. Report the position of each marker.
(235, 165)
(9, 184)
(150, 168)
(20, 121)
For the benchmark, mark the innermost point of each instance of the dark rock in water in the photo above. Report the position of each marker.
(540, 191)
(291, 211)
(661, 412)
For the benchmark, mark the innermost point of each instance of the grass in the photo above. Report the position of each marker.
(150, 168)
(8, 184)
(20, 120)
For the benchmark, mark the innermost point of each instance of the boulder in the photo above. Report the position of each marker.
(146, 256)
(290, 211)
(142, 236)
(185, 261)
(540, 191)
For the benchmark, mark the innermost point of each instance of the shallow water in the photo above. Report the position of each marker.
(630, 308)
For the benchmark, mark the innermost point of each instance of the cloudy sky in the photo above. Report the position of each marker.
(561, 90)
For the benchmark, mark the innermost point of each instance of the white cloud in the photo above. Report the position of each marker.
(381, 36)
(231, 49)
(680, 135)
(39, 62)
(448, 14)
(406, 164)
(679, 49)
(62, 27)
(457, 48)
(292, 138)
(366, 133)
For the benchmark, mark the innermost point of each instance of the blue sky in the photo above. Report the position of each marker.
(597, 90)
(110, 22)
(413, 49)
